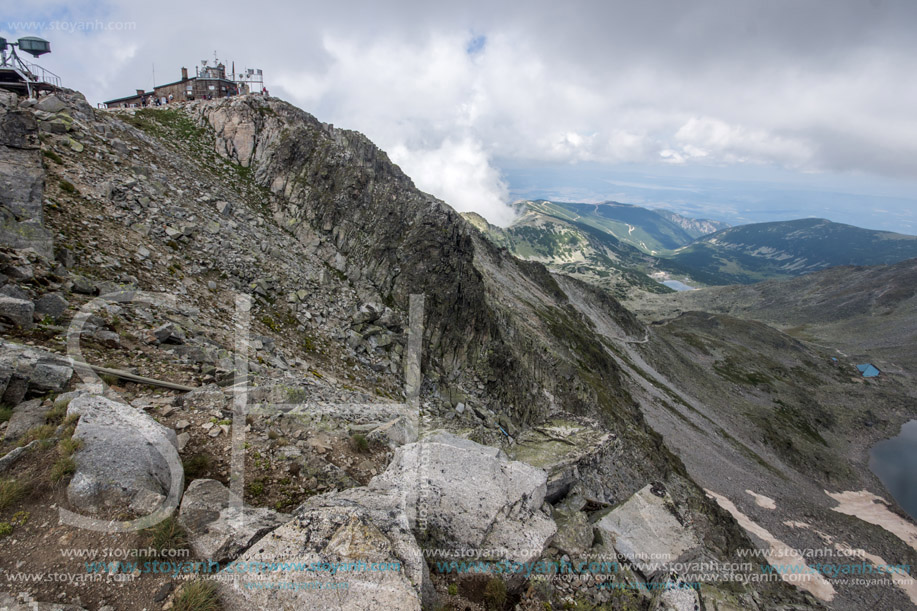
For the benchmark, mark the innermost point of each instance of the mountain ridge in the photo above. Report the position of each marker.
(599, 243)
(759, 251)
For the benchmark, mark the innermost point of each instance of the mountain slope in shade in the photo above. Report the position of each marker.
(868, 313)
(751, 253)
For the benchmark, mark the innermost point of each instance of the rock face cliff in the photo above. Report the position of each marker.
(251, 213)
(490, 318)
(21, 177)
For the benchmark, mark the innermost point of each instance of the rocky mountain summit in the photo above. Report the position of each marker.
(231, 329)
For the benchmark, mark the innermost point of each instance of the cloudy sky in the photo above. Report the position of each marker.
(481, 102)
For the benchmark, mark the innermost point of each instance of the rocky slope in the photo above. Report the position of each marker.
(538, 408)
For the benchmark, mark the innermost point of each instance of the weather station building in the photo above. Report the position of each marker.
(24, 78)
(209, 82)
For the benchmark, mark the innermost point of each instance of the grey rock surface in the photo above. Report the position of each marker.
(219, 525)
(25, 369)
(645, 531)
(345, 537)
(206, 398)
(26, 415)
(22, 182)
(125, 454)
(47, 377)
(17, 311)
(51, 103)
(51, 304)
(468, 496)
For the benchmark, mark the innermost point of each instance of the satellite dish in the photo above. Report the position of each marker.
(34, 46)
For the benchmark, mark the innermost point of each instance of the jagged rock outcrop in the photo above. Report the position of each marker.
(335, 186)
(128, 461)
(560, 445)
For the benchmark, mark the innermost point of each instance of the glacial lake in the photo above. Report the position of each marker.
(894, 461)
(677, 285)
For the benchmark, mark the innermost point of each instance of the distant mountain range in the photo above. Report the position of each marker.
(749, 253)
(621, 246)
(584, 243)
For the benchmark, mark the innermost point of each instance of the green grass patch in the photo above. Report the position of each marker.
(62, 470)
(53, 156)
(271, 324)
(45, 431)
(255, 488)
(198, 595)
(166, 535)
(197, 465)
(359, 443)
(495, 594)
(57, 413)
(68, 446)
(11, 491)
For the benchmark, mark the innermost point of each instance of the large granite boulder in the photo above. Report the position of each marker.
(461, 495)
(358, 540)
(219, 524)
(442, 491)
(645, 530)
(128, 461)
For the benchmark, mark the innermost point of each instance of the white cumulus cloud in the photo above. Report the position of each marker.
(460, 172)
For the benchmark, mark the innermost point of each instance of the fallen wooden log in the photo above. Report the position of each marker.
(132, 377)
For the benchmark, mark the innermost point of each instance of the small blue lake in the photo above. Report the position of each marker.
(677, 285)
(894, 461)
